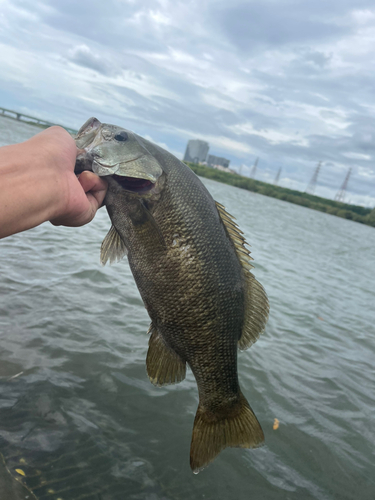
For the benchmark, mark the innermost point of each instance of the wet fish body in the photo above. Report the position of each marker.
(192, 268)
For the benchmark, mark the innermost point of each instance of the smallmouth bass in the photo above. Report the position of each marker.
(192, 268)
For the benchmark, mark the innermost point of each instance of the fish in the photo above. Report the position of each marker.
(192, 267)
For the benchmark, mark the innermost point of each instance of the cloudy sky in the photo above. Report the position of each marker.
(289, 81)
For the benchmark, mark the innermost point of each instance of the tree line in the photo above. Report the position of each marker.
(353, 212)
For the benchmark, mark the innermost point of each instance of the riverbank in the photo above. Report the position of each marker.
(353, 212)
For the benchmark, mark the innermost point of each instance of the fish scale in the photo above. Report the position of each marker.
(192, 269)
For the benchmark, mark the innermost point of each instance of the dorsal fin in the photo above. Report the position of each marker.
(113, 248)
(256, 302)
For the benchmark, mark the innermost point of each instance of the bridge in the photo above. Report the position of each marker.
(31, 120)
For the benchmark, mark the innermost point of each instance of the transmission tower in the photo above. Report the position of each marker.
(311, 187)
(254, 169)
(276, 181)
(341, 192)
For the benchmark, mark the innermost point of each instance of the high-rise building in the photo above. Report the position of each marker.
(217, 160)
(196, 151)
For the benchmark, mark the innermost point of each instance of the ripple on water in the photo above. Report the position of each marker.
(84, 414)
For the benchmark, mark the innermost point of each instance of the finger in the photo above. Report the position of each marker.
(91, 182)
(95, 188)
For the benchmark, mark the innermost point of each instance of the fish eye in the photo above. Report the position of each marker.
(121, 136)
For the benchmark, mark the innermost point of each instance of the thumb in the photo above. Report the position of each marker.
(83, 209)
(95, 188)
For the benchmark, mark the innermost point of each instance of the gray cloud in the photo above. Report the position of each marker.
(84, 56)
(250, 24)
(244, 25)
(288, 81)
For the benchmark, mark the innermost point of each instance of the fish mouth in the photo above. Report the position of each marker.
(133, 184)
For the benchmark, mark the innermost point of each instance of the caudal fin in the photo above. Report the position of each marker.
(212, 433)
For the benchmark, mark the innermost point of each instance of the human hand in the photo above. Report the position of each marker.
(78, 197)
(38, 184)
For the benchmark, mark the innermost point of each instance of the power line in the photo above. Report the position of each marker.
(342, 191)
(254, 169)
(276, 181)
(312, 184)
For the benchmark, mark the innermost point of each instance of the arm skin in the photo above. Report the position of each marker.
(38, 184)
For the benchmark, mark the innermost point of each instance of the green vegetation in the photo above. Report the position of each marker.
(352, 212)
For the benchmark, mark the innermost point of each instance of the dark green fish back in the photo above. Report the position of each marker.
(192, 269)
(195, 281)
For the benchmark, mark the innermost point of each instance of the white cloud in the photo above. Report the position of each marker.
(273, 136)
(363, 16)
(250, 79)
(357, 156)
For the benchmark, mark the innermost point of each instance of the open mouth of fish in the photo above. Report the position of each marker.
(133, 184)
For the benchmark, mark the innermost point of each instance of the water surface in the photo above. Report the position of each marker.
(81, 418)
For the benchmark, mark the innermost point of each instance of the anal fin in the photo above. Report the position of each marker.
(163, 365)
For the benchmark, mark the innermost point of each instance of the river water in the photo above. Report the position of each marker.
(81, 419)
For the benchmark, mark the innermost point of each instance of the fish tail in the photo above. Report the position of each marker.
(235, 426)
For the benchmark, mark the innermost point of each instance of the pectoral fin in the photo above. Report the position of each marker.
(256, 301)
(113, 248)
(164, 366)
(148, 225)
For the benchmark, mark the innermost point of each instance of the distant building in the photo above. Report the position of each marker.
(214, 161)
(196, 151)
